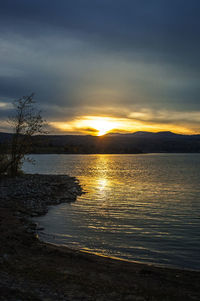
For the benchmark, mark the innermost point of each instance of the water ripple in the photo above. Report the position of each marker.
(137, 207)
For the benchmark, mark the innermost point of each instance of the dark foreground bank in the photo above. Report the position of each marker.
(33, 270)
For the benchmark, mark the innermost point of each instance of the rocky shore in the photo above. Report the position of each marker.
(36, 192)
(32, 270)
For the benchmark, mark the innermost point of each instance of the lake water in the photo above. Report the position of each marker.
(144, 208)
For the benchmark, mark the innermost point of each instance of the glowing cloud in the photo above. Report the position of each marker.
(101, 125)
(94, 125)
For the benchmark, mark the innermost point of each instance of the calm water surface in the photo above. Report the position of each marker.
(144, 208)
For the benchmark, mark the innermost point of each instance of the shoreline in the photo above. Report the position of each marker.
(34, 270)
(150, 265)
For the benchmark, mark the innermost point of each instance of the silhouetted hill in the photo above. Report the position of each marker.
(5, 137)
(138, 142)
(159, 134)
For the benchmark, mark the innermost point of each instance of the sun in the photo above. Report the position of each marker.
(102, 125)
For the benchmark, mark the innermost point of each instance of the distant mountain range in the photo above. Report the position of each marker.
(164, 134)
(112, 143)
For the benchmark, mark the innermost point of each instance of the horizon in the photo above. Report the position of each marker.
(109, 134)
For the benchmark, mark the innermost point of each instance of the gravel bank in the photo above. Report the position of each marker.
(34, 193)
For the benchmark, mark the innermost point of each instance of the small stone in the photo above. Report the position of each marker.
(5, 257)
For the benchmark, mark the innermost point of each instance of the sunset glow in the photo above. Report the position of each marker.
(94, 125)
(103, 125)
(100, 125)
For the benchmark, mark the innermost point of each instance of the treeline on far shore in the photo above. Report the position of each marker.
(136, 143)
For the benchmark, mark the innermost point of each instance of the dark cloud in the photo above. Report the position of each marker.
(89, 130)
(157, 24)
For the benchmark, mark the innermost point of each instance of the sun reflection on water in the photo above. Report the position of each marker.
(102, 183)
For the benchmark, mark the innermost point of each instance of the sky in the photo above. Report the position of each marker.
(103, 65)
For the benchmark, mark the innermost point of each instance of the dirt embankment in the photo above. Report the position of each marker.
(32, 270)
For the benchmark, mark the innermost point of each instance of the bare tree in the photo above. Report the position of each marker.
(26, 123)
(4, 163)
